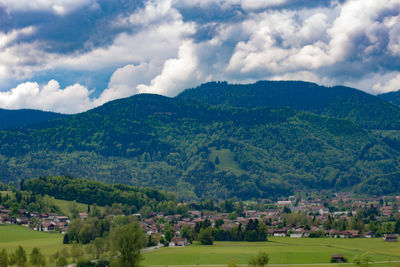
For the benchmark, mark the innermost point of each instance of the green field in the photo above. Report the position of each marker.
(226, 161)
(11, 236)
(65, 204)
(281, 251)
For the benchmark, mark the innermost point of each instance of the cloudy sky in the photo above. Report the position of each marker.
(72, 55)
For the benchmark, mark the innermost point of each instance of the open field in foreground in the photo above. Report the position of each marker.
(283, 251)
(11, 236)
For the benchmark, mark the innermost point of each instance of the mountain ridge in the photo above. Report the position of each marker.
(166, 143)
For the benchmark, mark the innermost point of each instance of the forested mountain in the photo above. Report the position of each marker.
(227, 149)
(357, 106)
(15, 118)
(391, 97)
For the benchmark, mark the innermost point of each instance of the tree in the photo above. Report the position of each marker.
(261, 259)
(20, 257)
(216, 160)
(3, 258)
(127, 240)
(363, 260)
(76, 251)
(206, 237)
(37, 258)
(99, 246)
(61, 261)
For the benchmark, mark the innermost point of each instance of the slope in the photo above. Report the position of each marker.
(15, 118)
(357, 106)
(165, 143)
(391, 97)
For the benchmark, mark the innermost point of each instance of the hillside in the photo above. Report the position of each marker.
(339, 102)
(172, 144)
(391, 97)
(15, 118)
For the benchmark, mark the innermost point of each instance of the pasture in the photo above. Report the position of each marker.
(11, 236)
(281, 251)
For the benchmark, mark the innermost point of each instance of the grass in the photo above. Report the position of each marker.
(280, 250)
(226, 161)
(11, 236)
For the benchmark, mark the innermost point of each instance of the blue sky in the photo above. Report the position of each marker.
(72, 55)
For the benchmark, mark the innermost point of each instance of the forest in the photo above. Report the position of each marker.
(219, 141)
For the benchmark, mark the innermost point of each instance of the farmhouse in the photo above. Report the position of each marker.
(337, 258)
(390, 237)
(178, 242)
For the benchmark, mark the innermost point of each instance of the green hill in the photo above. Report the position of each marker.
(171, 144)
(21, 117)
(342, 102)
(391, 97)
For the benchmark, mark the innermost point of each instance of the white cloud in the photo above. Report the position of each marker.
(389, 84)
(177, 74)
(60, 7)
(51, 97)
(124, 81)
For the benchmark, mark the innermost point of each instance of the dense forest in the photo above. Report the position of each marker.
(93, 192)
(21, 117)
(237, 145)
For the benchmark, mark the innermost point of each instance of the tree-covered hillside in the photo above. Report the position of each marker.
(15, 118)
(173, 144)
(391, 97)
(357, 106)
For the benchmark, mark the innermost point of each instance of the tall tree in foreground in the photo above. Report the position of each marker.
(260, 260)
(37, 258)
(126, 241)
(3, 258)
(20, 257)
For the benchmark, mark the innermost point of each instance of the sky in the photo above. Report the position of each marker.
(70, 56)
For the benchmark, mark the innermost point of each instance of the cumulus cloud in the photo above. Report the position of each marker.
(50, 97)
(60, 7)
(391, 83)
(163, 47)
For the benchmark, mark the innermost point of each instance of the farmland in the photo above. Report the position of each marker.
(11, 236)
(280, 250)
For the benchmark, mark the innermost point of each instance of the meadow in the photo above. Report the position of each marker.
(11, 236)
(281, 251)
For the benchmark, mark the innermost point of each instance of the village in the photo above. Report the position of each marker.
(342, 216)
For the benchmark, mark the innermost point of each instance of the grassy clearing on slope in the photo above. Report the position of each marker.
(280, 250)
(226, 161)
(64, 206)
(11, 236)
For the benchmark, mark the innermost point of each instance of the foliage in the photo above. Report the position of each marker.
(127, 240)
(267, 143)
(37, 258)
(206, 237)
(3, 258)
(363, 260)
(19, 257)
(260, 260)
(90, 192)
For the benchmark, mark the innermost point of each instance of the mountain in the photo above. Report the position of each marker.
(206, 150)
(391, 97)
(15, 118)
(342, 102)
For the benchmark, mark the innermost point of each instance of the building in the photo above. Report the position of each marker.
(390, 237)
(178, 242)
(338, 258)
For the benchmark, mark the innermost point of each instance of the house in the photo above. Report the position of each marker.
(338, 258)
(178, 242)
(390, 237)
(280, 232)
(370, 234)
(48, 226)
(83, 215)
(296, 234)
